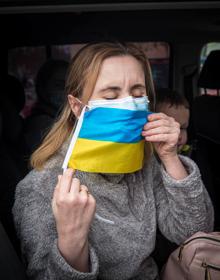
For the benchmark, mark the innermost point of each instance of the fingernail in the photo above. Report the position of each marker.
(69, 171)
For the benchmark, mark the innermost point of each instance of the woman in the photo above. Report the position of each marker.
(102, 225)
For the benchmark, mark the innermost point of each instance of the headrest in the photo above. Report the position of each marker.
(209, 76)
(206, 116)
(50, 82)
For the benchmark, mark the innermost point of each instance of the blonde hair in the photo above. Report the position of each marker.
(81, 79)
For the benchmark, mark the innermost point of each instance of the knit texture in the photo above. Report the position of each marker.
(135, 204)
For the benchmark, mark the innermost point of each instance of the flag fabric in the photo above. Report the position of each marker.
(109, 141)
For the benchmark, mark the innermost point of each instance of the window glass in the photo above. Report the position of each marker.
(204, 53)
(25, 62)
(158, 54)
(65, 52)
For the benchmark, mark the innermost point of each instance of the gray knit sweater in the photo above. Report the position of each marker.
(135, 204)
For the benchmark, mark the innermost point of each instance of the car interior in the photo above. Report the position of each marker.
(183, 29)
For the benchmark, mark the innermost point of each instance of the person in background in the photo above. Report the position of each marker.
(50, 83)
(98, 218)
(176, 106)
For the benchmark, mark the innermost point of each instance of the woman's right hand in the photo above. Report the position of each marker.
(73, 208)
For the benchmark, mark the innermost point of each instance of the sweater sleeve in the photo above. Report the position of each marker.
(183, 206)
(36, 229)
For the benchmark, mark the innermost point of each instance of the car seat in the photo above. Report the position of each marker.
(206, 120)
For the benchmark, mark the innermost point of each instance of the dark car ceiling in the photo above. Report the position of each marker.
(7, 3)
(181, 25)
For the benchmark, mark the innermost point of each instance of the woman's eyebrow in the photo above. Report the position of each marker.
(138, 86)
(113, 88)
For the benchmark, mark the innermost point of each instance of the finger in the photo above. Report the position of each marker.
(66, 180)
(169, 129)
(57, 185)
(157, 116)
(84, 188)
(156, 123)
(91, 203)
(157, 130)
(84, 194)
(58, 181)
(75, 186)
(162, 138)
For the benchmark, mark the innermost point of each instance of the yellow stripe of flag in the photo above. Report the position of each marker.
(107, 157)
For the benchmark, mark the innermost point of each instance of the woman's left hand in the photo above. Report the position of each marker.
(163, 132)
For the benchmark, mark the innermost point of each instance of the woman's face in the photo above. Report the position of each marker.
(119, 77)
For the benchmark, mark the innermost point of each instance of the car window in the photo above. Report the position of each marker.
(24, 63)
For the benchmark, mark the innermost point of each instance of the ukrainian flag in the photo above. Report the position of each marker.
(110, 141)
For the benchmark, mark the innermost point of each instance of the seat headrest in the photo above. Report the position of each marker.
(209, 76)
(206, 117)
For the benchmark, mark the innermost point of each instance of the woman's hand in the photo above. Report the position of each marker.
(73, 208)
(163, 132)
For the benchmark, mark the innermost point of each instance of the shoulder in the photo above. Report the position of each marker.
(41, 182)
(37, 184)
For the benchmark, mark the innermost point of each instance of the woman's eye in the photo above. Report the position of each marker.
(138, 96)
(110, 98)
(138, 93)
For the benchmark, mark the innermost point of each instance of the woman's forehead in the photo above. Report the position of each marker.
(121, 67)
(122, 60)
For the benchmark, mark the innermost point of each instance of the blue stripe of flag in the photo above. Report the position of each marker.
(102, 124)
